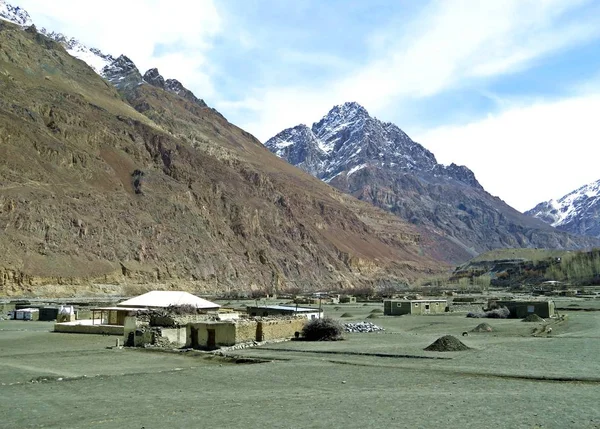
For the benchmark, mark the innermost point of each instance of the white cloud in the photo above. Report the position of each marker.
(450, 43)
(527, 154)
(172, 34)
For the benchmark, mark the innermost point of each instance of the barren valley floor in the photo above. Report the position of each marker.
(509, 378)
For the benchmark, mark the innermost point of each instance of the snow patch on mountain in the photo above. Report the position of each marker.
(91, 56)
(14, 14)
(355, 169)
(570, 208)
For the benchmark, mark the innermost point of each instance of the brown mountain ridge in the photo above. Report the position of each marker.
(94, 191)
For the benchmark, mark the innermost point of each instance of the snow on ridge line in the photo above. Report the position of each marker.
(282, 144)
(355, 169)
(14, 14)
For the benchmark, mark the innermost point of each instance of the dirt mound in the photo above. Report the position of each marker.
(377, 310)
(373, 316)
(482, 327)
(346, 315)
(533, 318)
(447, 343)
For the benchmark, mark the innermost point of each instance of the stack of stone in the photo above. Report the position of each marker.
(360, 327)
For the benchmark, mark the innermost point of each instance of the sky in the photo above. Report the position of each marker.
(509, 88)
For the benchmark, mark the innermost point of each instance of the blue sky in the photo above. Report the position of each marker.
(510, 88)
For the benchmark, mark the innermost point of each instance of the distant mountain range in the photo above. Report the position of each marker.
(109, 177)
(377, 162)
(578, 212)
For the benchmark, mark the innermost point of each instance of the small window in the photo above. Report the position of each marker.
(313, 316)
(416, 304)
(398, 304)
(437, 303)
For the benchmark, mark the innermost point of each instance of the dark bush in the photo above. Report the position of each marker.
(322, 330)
(498, 313)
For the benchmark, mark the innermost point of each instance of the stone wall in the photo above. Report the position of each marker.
(176, 336)
(88, 329)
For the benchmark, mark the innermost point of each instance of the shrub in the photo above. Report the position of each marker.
(322, 330)
(344, 299)
(498, 313)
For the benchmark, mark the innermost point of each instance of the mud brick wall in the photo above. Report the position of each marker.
(276, 329)
(245, 332)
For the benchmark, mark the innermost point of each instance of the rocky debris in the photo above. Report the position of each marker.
(482, 327)
(362, 327)
(222, 351)
(533, 318)
(447, 343)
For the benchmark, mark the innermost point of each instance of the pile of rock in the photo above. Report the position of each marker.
(360, 327)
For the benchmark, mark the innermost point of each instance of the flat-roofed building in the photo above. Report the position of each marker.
(284, 310)
(398, 307)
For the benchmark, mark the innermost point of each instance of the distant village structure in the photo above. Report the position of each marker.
(399, 307)
(522, 308)
(284, 310)
(153, 319)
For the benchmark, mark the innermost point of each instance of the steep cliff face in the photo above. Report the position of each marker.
(379, 163)
(95, 190)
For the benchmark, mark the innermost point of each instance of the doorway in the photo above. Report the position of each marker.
(211, 342)
(426, 308)
(194, 337)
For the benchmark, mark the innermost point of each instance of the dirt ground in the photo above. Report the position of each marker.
(508, 378)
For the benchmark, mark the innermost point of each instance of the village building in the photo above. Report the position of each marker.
(158, 299)
(284, 310)
(25, 314)
(112, 320)
(398, 307)
(214, 334)
(523, 308)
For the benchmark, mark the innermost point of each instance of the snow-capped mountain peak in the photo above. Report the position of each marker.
(91, 56)
(14, 14)
(348, 140)
(577, 212)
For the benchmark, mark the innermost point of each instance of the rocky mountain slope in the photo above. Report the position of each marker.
(119, 71)
(578, 212)
(378, 163)
(144, 183)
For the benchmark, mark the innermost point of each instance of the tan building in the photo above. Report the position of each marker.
(214, 334)
(398, 307)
